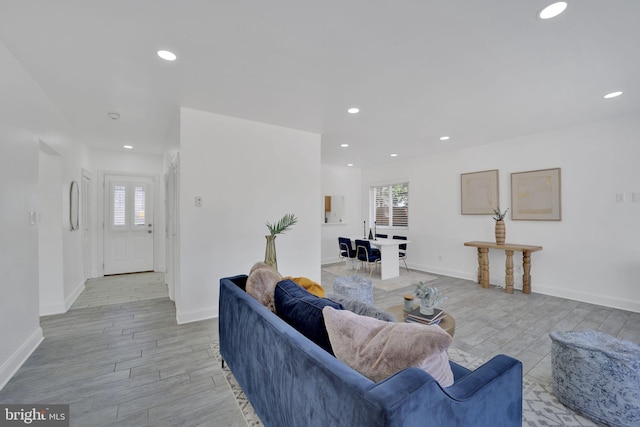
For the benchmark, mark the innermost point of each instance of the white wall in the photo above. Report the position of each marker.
(247, 173)
(347, 182)
(28, 117)
(592, 255)
(126, 163)
(74, 158)
(50, 250)
(21, 105)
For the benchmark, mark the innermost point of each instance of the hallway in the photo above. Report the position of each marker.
(118, 358)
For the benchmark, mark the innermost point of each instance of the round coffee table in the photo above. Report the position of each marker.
(448, 323)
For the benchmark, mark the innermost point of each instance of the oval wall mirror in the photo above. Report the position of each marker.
(74, 205)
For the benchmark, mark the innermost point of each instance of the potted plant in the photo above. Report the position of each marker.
(274, 229)
(501, 231)
(430, 298)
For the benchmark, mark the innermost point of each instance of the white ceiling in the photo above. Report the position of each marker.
(479, 71)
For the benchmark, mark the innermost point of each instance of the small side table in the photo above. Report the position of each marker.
(448, 323)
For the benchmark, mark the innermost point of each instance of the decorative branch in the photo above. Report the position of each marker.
(499, 216)
(281, 226)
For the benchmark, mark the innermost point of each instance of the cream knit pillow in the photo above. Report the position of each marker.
(261, 284)
(378, 349)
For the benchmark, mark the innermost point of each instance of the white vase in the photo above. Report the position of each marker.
(426, 307)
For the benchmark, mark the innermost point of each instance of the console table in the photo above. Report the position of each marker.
(509, 248)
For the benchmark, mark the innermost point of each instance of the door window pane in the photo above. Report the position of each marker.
(119, 206)
(139, 206)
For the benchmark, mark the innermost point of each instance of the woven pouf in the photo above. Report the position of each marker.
(354, 287)
(597, 376)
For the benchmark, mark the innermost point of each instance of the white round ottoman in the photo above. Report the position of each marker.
(597, 376)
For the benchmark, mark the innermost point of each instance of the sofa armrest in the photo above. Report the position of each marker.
(240, 281)
(497, 385)
(472, 383)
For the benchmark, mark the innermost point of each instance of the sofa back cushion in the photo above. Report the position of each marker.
(303, 311)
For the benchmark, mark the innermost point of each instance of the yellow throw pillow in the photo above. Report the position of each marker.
(311, 286)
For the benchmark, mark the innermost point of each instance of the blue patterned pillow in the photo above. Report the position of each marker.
(303, 311)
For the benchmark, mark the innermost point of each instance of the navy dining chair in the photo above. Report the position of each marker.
(365, 254)
(402, 250)
(346, 250)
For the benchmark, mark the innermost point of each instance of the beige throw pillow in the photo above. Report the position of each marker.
(378, 349)
(261, 284)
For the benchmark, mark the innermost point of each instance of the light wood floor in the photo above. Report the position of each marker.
(119, 359)
(491, 322)
(126, 363)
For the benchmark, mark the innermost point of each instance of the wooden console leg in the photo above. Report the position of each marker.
(526, 272)
(509, 272)
(479, 266)
(484, 267)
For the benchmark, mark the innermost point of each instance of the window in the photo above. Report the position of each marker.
(390, 205)
(128, 205)
(119, 206)
(139, 205)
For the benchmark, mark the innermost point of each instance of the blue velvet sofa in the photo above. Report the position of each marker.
(292, 382)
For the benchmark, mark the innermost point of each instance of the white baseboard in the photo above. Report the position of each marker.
(195, 316)
(50, 309)
(17, 359)
(587, 297)
(71, 298)
(328, 261)
(443, 271)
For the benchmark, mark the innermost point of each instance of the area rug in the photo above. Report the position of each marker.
(406, 278)
(540, 408)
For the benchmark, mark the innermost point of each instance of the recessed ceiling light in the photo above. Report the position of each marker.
(393, 155)
(349, 164)
(353, 110)
(128, 147)
(166, 55)
(613, 94)
(444, 138)
(113, 116)
(552, 10)
(344, 145)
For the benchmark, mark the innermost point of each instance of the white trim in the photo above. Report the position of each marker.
(17, 359)
(71, 298)
(196, 316)
(587, 297)
(50, 309)
(86, 229)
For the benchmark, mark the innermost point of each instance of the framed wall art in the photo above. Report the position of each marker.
(479, 192)
(535, 195)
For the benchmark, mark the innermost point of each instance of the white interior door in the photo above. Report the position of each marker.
(171, 224)
(85, 217)
(128, 228)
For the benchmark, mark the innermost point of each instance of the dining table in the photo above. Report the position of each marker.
(389, 255)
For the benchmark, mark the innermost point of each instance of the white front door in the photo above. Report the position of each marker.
(128, 227)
